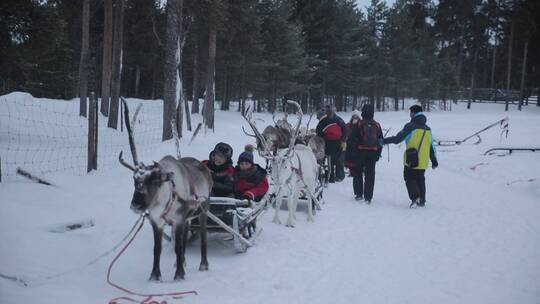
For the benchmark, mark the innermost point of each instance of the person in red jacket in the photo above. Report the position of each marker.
(249, 179)
(220, 164)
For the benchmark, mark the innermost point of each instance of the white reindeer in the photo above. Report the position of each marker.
(293, 169)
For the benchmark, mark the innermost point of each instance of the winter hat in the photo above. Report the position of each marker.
(224, 149)
(247, 155)
(415, 109)
(356, 113)
(368, 111)
(329, 110)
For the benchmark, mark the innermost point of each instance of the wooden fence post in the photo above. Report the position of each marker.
(92, 133)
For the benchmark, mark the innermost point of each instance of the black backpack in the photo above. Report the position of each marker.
(369, 134)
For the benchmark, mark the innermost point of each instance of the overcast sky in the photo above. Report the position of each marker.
(363, 3)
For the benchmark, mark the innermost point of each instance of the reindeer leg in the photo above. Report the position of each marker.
(158, 235)
(179, 249)
(202, 220)
(277, 206)
(290, 205)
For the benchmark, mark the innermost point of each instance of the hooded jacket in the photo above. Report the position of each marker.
(412, 133)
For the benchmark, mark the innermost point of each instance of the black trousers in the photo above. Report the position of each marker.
(416, 183)
(337, 167)
(364, 174)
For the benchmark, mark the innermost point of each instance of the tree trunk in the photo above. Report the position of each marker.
(493, 63)
(225, 101)
(83, 65)
(170, 75)
(510, 43)
(509, 71)
(117, 63)
(460, 66)
(473, 76)
(523, 70)
(188, 114)
(210, 85)
(195, 89)
(396, 98)
(107, 56)
(137, 79)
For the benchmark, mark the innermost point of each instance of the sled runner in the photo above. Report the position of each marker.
(235, 216)
(509, 150)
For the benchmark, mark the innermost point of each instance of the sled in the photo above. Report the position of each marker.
(235, 216)
(509, 150)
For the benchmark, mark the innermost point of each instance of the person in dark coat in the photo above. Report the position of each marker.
(367, 134)
(250, 180)
(417, 135)
(351, 152)
(334, 131)
(220, 164)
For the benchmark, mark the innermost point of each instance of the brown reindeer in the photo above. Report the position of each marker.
(170, 191)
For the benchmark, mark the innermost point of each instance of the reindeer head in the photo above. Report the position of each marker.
(266, 146)
(148, 185)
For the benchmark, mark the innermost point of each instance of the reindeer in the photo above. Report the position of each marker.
(170, 192)
(292, 168)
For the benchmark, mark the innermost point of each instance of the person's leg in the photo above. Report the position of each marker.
(340, 165)
(369, 170)
(332, 165)
(358, 178)
(421, 180)
(411, 184)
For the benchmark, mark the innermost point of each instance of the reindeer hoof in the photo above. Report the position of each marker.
(276, 221)
(155, 276)
(203, 267)
(290, 225)
(178, 276)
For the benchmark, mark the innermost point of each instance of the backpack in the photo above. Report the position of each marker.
(369, 135)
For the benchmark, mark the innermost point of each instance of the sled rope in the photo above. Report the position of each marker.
(147, 297)
(26, 283)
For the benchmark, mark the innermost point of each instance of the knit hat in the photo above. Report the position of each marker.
(368, 111)
(415, 109)
(247, 155)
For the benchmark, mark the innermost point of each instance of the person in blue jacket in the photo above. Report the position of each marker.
(417, 135)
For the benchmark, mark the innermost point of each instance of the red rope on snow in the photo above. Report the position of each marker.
(148, 297)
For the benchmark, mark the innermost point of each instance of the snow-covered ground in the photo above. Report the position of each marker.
(477, 240)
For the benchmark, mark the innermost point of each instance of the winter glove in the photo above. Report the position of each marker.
(381, 142)
(343, 146)
(434, 164)
(249, 196)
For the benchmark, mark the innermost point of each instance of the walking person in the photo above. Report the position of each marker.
(351, 152)
(334, 131)
(419, 151)
(367, 135)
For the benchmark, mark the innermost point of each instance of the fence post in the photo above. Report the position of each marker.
(92, 133)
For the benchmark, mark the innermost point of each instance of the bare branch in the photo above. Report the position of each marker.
(155, 32)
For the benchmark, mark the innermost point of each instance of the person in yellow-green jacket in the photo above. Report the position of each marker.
(417, 136)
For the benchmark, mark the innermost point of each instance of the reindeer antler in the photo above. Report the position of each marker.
(265, 152)
(245, 132)
(131, 140)
(296, 131)
(121, 160)
(310, 116)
